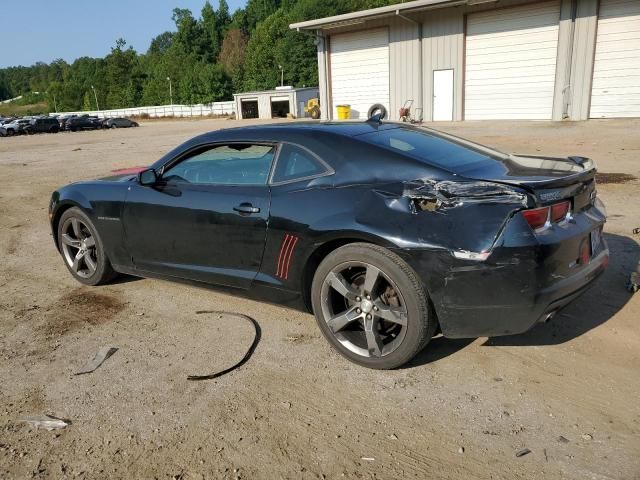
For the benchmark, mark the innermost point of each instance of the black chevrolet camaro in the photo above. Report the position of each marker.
(388, 233)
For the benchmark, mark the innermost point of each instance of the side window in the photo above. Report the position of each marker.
(237, 164)
(294, 163)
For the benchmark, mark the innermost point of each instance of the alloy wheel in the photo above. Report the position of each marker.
(364, 309)
(79, 247)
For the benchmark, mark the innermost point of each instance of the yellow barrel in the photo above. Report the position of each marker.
(344, 112)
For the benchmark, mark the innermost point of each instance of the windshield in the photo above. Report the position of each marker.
(431, 148)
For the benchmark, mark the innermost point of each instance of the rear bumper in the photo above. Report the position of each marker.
(525, 279)
(495, 300)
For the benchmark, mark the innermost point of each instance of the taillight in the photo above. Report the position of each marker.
(559, 211)
(538, 218)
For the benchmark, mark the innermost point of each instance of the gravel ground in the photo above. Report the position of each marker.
(567, 390)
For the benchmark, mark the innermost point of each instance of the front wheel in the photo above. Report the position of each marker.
(371, 306)
(82, 249)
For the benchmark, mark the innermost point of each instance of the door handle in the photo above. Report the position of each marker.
(246, 209)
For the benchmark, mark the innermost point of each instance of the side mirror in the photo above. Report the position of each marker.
(148, 178)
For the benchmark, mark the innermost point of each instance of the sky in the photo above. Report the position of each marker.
(44, 30)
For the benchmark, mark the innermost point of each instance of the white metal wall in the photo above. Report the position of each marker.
(359, 64)
(201, 110)
(616, 73)
(511, 62)
(443, 46)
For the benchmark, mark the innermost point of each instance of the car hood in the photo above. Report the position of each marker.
(123, 174)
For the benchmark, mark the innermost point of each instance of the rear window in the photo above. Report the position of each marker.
(427, 147)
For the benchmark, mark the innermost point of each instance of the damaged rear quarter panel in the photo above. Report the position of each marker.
(445, 214)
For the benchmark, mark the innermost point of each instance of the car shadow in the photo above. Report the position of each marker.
(124, 278)
(595, 307)
(438, 348)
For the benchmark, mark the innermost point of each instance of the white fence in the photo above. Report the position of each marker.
(201, 110)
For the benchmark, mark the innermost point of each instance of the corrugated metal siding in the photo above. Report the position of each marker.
(443, 48)
(584, 42)
(561, 95)
(404, 76)
(616, 75)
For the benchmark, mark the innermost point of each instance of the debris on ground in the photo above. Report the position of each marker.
(587, 436)
(76, 149)
(93, 364)
(562, 439)
(48, 422)
(461, 450)
(523, 452)
(368, 459)
(247, 356)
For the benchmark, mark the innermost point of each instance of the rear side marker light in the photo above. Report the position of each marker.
(585, 253)
(467, 255)
(542, 218)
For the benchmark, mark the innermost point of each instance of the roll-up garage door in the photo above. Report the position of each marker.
(510, 62)
(616, 72)
(360, 70)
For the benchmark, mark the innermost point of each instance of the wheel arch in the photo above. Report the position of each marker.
(59, 210)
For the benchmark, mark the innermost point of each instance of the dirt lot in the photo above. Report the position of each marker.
(569, 390)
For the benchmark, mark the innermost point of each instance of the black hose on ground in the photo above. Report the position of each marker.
(247, 356)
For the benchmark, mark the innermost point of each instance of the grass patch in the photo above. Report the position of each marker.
(13, 109)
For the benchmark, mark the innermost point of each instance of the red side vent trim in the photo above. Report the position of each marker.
(286, 254)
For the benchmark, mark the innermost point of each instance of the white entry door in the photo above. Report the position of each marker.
(442, 95)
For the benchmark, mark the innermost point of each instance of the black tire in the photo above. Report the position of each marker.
(54, 129)
(113, 125)
(420, 320)
(10, 133)
(315, 113)
(135, 124)
(376, 109)
(103, 271)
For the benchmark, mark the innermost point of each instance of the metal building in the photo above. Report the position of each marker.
(483, 59)
(274, 103)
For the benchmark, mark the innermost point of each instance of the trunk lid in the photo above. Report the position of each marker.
(548, 179)
(533, 172)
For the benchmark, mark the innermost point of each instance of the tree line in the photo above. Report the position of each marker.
(206, 59)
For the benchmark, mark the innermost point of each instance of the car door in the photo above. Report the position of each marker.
(206, 218)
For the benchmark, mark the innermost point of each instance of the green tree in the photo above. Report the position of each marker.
(210, 33)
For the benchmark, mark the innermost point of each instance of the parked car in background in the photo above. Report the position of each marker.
(81, 123)
(42, 125)
(119, 123)
(62, 121)
(15, 127)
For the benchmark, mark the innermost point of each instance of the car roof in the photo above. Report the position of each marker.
(350, 128)
(334, 142)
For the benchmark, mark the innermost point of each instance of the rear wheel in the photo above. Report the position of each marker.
(82, 249)
(371, 306)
